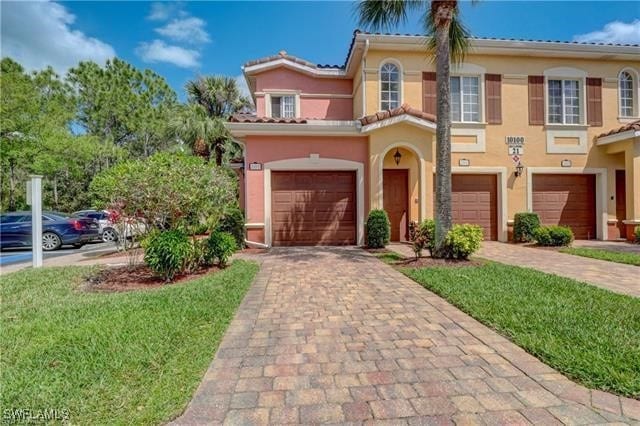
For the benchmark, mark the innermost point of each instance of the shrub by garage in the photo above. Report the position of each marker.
(378, 229)
(553, 236)
(524, 226)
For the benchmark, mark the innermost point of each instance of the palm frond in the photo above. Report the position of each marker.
(458, 36)
(385, 14)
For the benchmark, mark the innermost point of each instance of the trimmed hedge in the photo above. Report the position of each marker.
(553, 236)
(524, 226)
(167, 252)
(378, 229)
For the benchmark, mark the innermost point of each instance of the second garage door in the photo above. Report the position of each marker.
(568, 200)
(475, 200)
(313, 208)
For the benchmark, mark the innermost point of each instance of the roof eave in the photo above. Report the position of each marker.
(618, 137)
(312, 128)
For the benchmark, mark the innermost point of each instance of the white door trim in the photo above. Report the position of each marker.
(320, 164)
(601, 191)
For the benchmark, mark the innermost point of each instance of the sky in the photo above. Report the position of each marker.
(181, 40)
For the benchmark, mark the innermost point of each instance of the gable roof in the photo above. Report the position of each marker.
(396, 112)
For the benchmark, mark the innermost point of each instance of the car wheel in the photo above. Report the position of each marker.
(109, 235)
(50, 241)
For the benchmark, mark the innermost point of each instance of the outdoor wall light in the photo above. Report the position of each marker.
(397, 156)
(519, 169)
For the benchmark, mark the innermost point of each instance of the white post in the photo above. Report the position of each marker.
(36, 220)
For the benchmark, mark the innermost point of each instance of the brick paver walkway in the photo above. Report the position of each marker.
(616, 277)
(336, 336)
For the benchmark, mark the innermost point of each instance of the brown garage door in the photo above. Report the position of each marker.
(313, 208)
(475, 200)
(568, 200)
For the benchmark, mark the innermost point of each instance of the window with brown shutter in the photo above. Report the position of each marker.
(429, 92)
(536, 100)
(594, 101)
(493, 90)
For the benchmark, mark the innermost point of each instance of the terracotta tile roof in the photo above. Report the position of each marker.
(404, 109)
(249, 118)
(635, 125)
(284, 55)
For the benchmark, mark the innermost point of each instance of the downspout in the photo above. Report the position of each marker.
(364, 77)
(254, 244)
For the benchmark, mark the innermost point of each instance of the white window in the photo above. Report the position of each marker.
(625, 83)
(465, 99)
(389, 86)
(283, 106)
(563, 101)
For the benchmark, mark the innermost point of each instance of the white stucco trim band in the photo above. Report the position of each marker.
(319, 164)
(601, 191)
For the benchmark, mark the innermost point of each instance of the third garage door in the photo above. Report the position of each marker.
(475, 200)
(312, 208)
(568, 200)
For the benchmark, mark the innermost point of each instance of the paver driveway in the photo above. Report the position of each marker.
(329, 335)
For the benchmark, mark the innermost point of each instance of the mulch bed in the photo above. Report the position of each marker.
(425, 262)
(138, 277)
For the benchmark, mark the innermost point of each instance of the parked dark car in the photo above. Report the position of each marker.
(106, 223)
(58, 229)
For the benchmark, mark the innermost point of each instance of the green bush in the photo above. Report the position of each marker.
(553, 236)
(167, 252)
(428, 229)
(463, 240)
(378, 229)
(636, 233)
(221, 245)
(233, 223)
(524, 226)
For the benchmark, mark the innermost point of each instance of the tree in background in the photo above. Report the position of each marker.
(219, 97)
(121, 104)
(447, 41)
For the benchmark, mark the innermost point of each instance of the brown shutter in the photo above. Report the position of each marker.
(594, 101)
(493, 88)
(536, 100)
(429, 92)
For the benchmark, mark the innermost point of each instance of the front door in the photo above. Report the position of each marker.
(621, 202)
(395, 192)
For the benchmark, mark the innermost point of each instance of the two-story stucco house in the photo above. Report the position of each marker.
(549, 127)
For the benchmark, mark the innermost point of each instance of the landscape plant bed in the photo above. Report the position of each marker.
(589, 334)
(111, 358)
(137, 277)
(601, 254)
(395, 259)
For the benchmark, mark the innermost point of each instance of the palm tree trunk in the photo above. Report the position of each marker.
(443, 131)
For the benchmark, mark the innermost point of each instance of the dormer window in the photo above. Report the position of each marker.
(389, 86)
(283, 106)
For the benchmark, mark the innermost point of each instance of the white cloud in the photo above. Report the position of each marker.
(38, 34)
(159, 51)
(188, 29)
(161, 11)
(613, 32)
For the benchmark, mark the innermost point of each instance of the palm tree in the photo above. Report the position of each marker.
(219, 97)
(191, 124)
(447, 41)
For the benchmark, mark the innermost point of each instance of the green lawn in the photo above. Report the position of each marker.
(589, 334)
(611, 256)
(111, 358)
